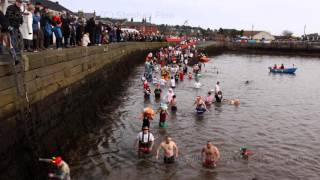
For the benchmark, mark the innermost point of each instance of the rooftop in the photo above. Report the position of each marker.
(52, 5)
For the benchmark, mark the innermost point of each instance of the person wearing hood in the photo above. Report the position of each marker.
(26, 27)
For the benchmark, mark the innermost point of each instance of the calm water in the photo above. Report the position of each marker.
(278, 119)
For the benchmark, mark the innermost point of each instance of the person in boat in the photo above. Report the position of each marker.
(170, 150)
(173, 103)
(147, 93)
(147, 116)
(157, 92)
(62, 168)
(219, 97)
(145, 141)
(200, 104)
(282, 66)
(217, 88)
(275, 66)
(163, 115)
(210, 155)
(209, 99)
(173, 82)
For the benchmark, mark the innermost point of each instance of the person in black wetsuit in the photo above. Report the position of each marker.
(219, 97)
(157, 92)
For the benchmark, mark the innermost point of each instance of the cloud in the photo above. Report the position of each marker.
(270, 15)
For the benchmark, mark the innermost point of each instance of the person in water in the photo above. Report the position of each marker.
(157, 92)
(173, 82)
(170, 95)
(200, 104)
(190, 75)
(173, 103)
(176, 77)
(217, 88)
(163, 82)
(62, 171)
(145, 84)
(170, 150)
(210, 155)
(147, 93)
(245, 153)
(181, 75)
(209, 99)
(163, 115)
(185, 69)
(145, 141)
(219, 97)
(147, 116)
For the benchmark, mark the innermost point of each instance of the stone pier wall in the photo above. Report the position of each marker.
(64, 89)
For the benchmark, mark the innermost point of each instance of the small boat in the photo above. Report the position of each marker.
(204, 59)
(283, 71)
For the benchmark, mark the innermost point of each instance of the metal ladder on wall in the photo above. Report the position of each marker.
(25, 121)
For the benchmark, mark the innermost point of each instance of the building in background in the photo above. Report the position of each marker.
(258, 35)
(143, 27)
(52, 6)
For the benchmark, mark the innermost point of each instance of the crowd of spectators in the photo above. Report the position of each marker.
(34, 28)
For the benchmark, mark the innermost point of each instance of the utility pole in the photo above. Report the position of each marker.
(252, 32)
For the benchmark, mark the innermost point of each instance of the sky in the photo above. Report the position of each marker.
(273, 16)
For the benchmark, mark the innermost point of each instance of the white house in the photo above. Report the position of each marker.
(264, 36)
(259, 35)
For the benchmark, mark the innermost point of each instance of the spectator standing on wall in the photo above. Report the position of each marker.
(98, 33)
(39, 9)
(110, 33)
(57, 31)
(36, 30)
(73, 29)
(90, 28)
(4, 25)
(46, 26)
(118, 34)
(80, 31)
(26, 27)
(14, 15)
(66, 20)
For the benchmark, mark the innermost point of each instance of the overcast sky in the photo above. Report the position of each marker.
(269, 15)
